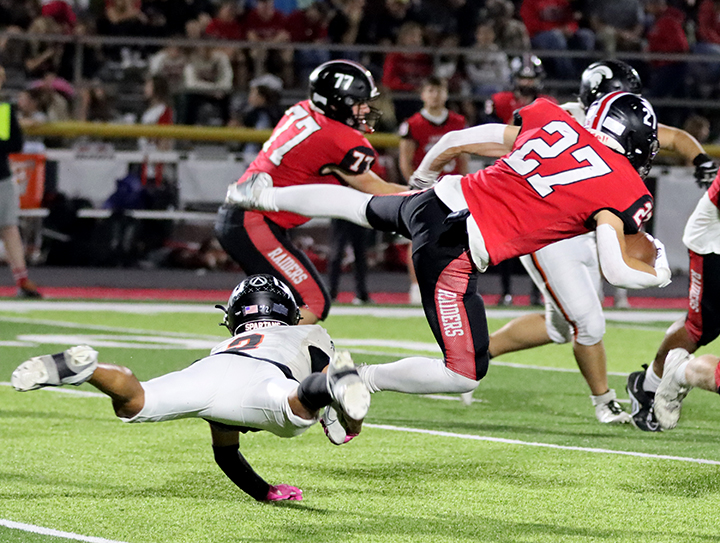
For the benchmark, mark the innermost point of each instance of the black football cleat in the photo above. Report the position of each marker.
(641, 402)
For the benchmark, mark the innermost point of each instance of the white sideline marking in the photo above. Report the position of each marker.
(544, 445)
(69, 391)
(54, 533)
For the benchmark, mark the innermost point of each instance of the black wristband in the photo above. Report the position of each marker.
(702, 158)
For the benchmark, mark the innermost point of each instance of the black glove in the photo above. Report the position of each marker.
(705, 170)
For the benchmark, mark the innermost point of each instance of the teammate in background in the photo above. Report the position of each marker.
(315, 139)
(568, 272)
(11, 141)
(267, 376)
(558, 180)
(418, 134)
(674, 362)
(527, 74)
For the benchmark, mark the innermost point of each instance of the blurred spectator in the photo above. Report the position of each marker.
(169, 17)
(159, 111)
(309, 25)
(208, 80)
(262, 110)
(29, 112)
(486, 66)
(449, 65)
(61, 12)
(52, 102)
(12, 56)
(385, 26)
(510, 33)
(21, 13)
(43, 57)
(226, 26)
(706, 75)
(553, 25)
(618, 24)
(122, 18)
(527, 85)
(96, 105)
(12, 142)
(349, 25)
(169, 63)
(667, 78)
(93, 58)
(268, 26)
(442, 18)
(406, 71)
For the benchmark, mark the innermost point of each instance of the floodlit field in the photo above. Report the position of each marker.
(527, 462)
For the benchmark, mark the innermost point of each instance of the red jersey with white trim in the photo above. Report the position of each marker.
(505, 104)
(551, 185)
(301, 145)
(426, 133)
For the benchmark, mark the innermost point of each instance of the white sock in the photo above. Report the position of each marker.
(652, 381)
(680, 373)
(415, 375)
(330, 201)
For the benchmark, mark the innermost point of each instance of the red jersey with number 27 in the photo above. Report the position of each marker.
(301, 145)
(557, 177)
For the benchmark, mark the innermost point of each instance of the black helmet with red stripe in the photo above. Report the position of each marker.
(626, 123)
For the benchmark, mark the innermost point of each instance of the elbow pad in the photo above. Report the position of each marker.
(618, 273)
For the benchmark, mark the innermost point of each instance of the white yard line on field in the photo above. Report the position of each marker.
(544, 445)
(54, 533)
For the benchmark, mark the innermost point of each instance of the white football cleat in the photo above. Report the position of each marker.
(346, 388)
(71, 367)
(248, 194)
(335, 426)
(608, 410)
(670, 393)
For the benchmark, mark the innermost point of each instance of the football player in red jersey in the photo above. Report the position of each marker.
(527, 75)
(314, 140)
(557, 179)
(419, 133)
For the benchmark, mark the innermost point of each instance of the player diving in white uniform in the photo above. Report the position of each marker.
(568, 272)
(267, 376)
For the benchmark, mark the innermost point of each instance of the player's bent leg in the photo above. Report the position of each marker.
(261, 246)
(522, 333)
(121, 385)
(73, 366)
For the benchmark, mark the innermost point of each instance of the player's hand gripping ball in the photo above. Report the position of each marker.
(641, 246)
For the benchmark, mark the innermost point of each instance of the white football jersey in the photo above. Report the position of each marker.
(702, 231)
(286, 345)
(576, 111)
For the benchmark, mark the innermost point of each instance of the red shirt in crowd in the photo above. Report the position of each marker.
(543, 15)
(708, 30)
(406, 71)
(266, 29)
(667, 35)
(302, 29)
(224, 30)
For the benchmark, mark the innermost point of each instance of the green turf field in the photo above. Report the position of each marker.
(526, 463)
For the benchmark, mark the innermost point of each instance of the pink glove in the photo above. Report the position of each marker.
(284, 492)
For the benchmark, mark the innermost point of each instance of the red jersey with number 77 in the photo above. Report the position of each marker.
(302, 144)
(557, 177)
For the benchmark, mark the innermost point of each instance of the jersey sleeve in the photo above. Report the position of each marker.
(633, 217)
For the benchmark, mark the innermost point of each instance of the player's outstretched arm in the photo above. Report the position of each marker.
(618, 267)
(368, 182)
(682, 142)
(493, 140)
(226, 447)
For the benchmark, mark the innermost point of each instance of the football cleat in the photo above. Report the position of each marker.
(248, 194)
(335, 426)
(28, 290)
(670, 393)
(641, 402)
(348, 391)
(608, 410)
(71, 367)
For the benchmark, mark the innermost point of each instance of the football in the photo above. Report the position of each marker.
(641, 247)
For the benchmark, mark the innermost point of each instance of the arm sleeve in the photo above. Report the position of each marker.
(618, 273)
(239, 471)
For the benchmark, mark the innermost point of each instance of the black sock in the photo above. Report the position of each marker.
(313, 392)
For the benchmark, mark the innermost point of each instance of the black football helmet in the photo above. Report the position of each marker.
(336, 86)
(260, 301)
(626, 123)
(606, 76)
(527, 74)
